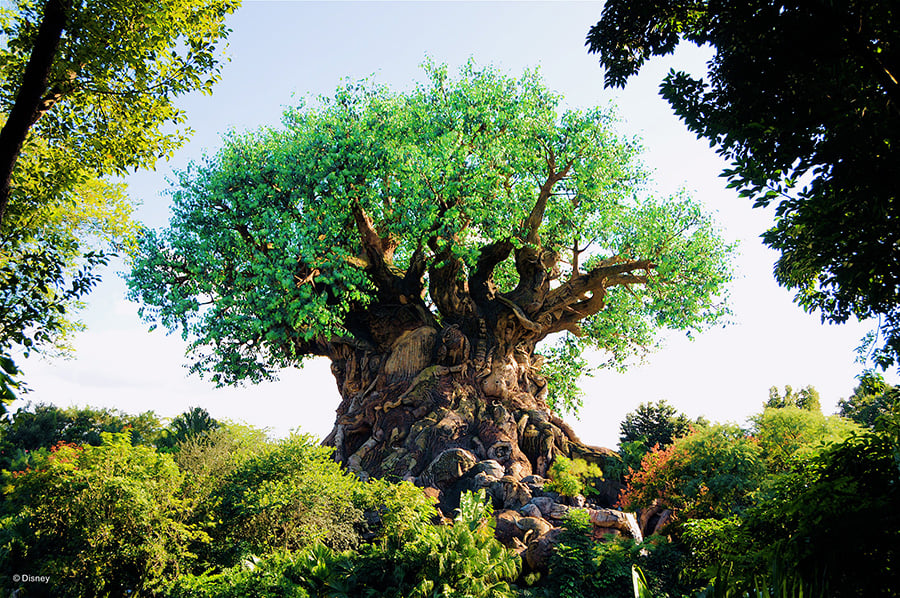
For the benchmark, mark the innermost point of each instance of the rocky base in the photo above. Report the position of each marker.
(529, 517)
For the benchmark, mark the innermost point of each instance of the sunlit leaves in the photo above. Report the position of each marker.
(801, 98)
(107, 108)
(272, 241)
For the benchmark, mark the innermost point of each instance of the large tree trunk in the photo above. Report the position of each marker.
(418, 380)
(421, 391)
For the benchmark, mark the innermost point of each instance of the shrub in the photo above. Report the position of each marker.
(36, 427)
(571, 477)
(583, 568)
(832, 518)
(208, 459)
(98, 520)
(266, 578)
(419, 560)
(786, 431)
(286, 498)
(708, 473)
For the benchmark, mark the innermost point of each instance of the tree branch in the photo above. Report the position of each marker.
(481, 281)
(379, 251)
(584, 295)
(447, 287)
(520, 315)
(30, 101)
(533, 222)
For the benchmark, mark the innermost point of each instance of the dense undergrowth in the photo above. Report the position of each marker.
(100, 503)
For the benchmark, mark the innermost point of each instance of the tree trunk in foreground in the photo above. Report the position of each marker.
(425, 391)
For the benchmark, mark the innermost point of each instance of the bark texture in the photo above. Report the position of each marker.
(422, 390)
(417, 379)
(35, 96)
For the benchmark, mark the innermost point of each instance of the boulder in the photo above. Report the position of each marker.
(618, 520)
(651, 512)
(531, 510)
(448, 467)
(533, 527)
(544, 503)
(558, 511)
(664, 519)
(609, 518)
(507, 530)
(490, 468)
(433, 493)
(478, 481)
(508, 493)
(534, 481)
(537, 555)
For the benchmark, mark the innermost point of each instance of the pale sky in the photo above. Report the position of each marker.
(285, 51)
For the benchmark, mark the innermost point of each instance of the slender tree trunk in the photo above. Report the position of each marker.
(32, 99)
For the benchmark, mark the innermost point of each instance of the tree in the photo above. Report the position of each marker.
(708, 473)
(785, 432)
(803, 99)
(806, 398)
(67, 90)
(650, 425)
(653, 424)
(75, 108)
(285, 498)
(831, 519)
(426, 243)
(871, 400)
(39, 427)
(193, 423)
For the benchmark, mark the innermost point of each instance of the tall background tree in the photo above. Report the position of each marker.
(803, 99)
(426, 243)
(87, 90)
(872, 400)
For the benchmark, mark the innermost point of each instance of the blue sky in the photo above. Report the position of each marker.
(283, 52)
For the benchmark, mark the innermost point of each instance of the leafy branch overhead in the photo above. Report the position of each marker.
(94, 107)
(87, 90)
(468, 202)
(803, 98)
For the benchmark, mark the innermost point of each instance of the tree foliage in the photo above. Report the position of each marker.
(78, 106)
(707, 474)
(871, 400)
(581, 567)
(96, 520)
(74, 108)
(786, 432)
(193, 423)
(832, 517)
(289, 496)
(36, 428)
(803, 99)
(806, 398)
(471, 201)
(654, 424)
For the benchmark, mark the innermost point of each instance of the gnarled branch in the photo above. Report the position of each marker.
(533, 222)
(481, 281)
